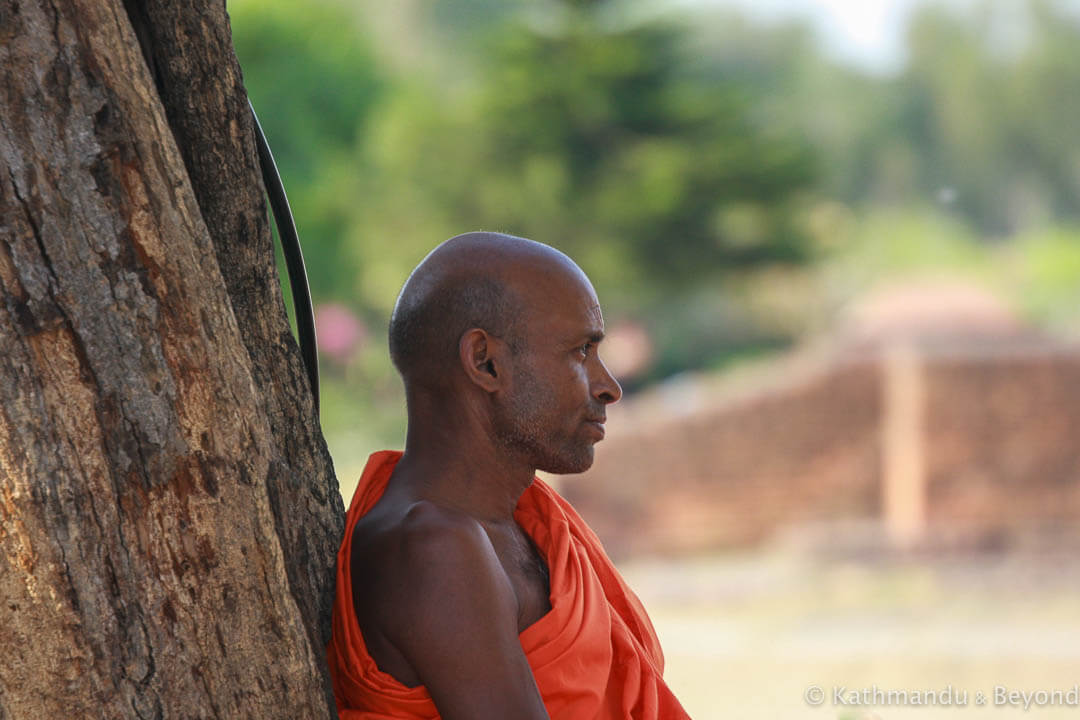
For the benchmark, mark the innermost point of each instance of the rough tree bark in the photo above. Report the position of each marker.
(168, 511)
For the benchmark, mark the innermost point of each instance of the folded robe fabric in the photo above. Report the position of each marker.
(594, 655)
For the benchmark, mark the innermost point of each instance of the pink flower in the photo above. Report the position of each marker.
(339, 331)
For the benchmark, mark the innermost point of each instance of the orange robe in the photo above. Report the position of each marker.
(594, 655)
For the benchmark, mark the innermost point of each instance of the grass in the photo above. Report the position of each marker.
(747, 636)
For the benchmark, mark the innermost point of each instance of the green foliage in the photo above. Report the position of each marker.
(599, 140)
(313, 82)
(983, 115)
(1045, 266)
(597, 137)
(908, 241)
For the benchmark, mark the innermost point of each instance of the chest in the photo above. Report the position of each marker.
(526, 570)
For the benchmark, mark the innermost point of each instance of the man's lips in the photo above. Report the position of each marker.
(597, 425)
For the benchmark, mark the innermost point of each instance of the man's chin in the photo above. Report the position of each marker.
(569, 465)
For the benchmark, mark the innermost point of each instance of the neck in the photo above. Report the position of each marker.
(455, 464)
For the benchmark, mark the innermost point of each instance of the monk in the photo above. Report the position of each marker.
(467, 588)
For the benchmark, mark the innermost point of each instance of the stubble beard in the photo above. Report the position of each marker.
(525, 426)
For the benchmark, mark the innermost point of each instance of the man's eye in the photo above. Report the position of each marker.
(584, 349)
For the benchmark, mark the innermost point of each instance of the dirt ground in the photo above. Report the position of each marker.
(755, 635)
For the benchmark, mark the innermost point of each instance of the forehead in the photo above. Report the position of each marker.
(563, 303)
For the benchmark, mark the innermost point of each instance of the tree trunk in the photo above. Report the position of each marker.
(169, 516)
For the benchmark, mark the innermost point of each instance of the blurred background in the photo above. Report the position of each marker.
(838, 249)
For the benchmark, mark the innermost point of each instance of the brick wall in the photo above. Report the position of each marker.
(1003, 445)
(994, 456)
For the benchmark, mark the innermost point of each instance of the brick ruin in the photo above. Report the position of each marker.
(927, 437)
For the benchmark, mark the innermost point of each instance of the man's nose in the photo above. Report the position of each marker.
(606, 388)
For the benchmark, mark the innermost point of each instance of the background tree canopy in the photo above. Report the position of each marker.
(714, 177)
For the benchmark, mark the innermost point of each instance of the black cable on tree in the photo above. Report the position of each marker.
(294, 259)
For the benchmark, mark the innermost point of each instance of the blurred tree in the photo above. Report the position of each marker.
(314, 82)
(981, 122)
(588, 132)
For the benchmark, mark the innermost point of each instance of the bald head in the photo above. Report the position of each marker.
(476, 280)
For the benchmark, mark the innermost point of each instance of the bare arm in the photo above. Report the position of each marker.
(450, 610)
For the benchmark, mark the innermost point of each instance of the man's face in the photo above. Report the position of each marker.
(553, 413)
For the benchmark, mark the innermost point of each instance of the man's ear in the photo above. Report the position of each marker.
(482, 357)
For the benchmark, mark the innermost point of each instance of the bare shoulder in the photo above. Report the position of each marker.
(423, 569)
(425, 547)
(437, 609)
